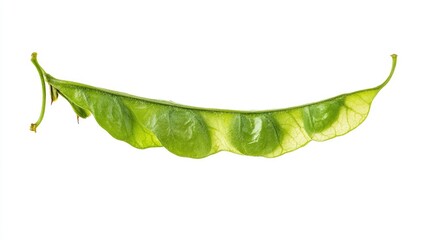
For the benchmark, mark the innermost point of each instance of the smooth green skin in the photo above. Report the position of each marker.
(199, 132)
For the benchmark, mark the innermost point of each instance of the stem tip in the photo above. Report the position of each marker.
(33, 56)
(33, 127)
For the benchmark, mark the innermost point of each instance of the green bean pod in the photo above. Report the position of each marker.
(199, 132)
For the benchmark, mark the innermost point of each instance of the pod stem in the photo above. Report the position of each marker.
(392, 70)
(41, 72)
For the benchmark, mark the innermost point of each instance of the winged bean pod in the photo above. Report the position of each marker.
(199, 132)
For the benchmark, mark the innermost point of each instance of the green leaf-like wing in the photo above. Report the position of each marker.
(199, 132)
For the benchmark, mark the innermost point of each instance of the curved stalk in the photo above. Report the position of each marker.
(41, 72)
(392, 70)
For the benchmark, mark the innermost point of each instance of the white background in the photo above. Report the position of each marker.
(74, 181)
